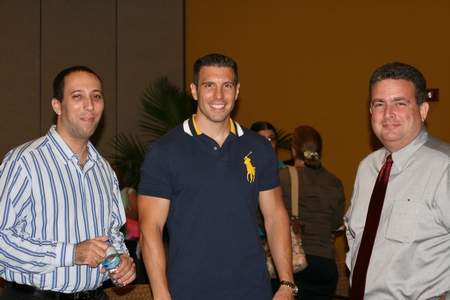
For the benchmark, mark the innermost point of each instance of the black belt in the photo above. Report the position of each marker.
(55, 295)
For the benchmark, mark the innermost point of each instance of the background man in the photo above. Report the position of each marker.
(60, 203)
(205, 179)
(410, 253)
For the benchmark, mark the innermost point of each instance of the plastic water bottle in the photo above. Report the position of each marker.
(111, 262)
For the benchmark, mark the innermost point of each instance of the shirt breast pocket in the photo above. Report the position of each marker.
(402, 225)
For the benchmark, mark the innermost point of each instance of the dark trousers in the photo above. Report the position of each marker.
(318, 281)
(12, 294)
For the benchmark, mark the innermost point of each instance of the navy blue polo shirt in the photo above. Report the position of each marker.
(215, 250)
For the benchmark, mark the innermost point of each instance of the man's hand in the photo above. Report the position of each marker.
(284, 293)
(91, 252)
(126, 272)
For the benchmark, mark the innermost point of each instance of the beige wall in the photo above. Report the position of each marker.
(128, 43)
(309, 62)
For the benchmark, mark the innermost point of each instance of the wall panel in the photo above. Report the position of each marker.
(80, 32)
(129, 43)
(19, 73)
(150, 45)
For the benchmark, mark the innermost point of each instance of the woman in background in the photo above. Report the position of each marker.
(268, 131)
(321, 209)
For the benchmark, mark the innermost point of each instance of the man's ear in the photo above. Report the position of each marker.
(193, 91)
(424, 111)
(56, 105)
(237, 91)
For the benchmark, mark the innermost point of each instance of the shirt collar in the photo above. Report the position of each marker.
(402, 156)
(64, 151)
(235, 128)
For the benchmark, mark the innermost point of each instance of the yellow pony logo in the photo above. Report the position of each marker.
(251, 170)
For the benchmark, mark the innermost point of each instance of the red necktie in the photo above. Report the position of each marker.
(370, 232)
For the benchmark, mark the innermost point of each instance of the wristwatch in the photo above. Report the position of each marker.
(291, 285)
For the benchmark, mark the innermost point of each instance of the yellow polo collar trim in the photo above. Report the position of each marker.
(198, 131)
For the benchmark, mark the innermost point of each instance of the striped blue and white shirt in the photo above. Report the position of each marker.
(48, 204)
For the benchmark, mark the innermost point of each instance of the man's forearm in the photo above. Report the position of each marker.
(279, 239)
(155, 264)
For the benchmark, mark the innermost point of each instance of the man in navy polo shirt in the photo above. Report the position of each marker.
(205, 180)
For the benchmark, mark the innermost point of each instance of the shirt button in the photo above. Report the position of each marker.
(215, 148)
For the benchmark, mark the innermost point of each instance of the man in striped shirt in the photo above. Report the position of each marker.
(60, 203)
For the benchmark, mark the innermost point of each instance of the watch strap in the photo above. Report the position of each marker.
(291, 285)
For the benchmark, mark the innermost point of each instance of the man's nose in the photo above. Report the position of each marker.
(88, 104)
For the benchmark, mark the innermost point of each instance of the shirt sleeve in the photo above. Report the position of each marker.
(270, 179)
(442, 198)
(336, 222)
(155, 175)
(349, 233)
(18, 250)
(118, 219)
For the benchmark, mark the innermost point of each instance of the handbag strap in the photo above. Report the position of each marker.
(294, 189)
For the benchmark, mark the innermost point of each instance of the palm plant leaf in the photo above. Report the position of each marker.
(129, 158)
(165, 106)
(284, 139)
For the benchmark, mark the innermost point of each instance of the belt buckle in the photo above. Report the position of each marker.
(83, 296)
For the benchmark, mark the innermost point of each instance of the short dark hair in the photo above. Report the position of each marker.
(307, 144)
(214, 60)
(58, 83)
(258, 126)
(398, 70)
